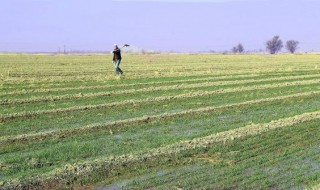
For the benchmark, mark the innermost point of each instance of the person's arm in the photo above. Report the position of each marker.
(125, 45)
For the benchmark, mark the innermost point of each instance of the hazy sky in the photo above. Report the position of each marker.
(165, 25)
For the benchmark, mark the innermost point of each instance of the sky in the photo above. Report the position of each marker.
(159, 25)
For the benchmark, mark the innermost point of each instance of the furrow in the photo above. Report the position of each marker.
(98, 126)
(6, 117)
(150, 89)
(314, 187)
(144, 75)
(124, 85)
(69, 172)
(146, 83)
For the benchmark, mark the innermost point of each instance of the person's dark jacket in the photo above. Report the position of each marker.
(116, 54)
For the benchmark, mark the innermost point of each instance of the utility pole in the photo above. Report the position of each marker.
(64, 49)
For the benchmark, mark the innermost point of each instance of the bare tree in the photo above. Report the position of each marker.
(292, 46)
(238, 49)
(234, 49)
(274, 45)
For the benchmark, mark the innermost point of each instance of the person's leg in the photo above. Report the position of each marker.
(120, 71)
(115, 62)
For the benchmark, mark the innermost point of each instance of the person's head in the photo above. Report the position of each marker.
(115, 46)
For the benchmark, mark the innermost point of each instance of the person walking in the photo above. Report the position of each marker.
(117, 58)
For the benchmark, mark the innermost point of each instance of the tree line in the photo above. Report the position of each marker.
(273, 46)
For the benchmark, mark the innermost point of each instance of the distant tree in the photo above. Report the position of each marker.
(274, 45)
(234, 49)
(292, 46)
(238, 49)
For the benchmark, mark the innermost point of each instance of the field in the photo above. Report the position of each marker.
(174, 121)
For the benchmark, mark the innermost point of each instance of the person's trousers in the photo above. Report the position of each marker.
(117, 69)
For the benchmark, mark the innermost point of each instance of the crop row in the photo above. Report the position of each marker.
(13, 81)
(90, 71)
(315, 187)
(103, 77)
(280, 159)
(5, 117)
(147, 74)
(82, 169)
(126, 85)
(54, 86)
(146, 83)
(97, 126)
(150, 89)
